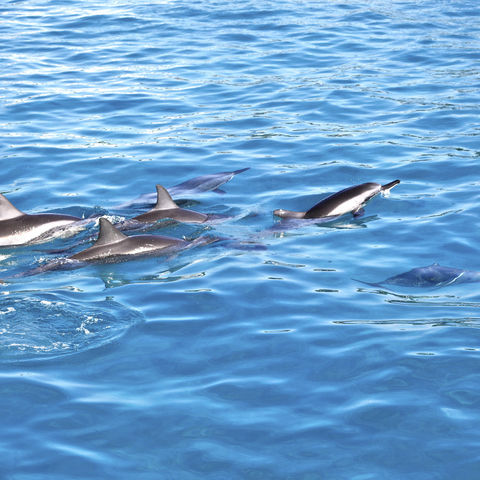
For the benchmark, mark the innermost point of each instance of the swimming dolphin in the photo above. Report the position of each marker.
(351, 199)
(19, 228)
(203, 183)
(167, 208)
(113, 245)
(434, 275)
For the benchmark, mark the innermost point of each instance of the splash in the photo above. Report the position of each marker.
(49, 325)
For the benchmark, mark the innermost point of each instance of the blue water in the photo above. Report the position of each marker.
(222, 363)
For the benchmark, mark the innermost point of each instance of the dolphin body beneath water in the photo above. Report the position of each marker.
(351, 199)
(203, 183)
(434, 275)
(19, 228)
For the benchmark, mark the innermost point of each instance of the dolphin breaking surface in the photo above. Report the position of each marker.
(351, 199)
(167, 208)
(112, 243)
(19, 228)
(113, 246)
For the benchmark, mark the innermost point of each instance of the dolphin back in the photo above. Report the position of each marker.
(346, 200)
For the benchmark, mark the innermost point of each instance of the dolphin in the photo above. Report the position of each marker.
(19, 228)
(113, 245)
(167, 208)
(203, 183)
(351, 199)
(433, 275)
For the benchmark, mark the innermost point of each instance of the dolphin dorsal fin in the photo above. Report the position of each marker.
(7, 210)
(164, 200)
(108, 233)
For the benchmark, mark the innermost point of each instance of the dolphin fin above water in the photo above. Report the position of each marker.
(108, 234)
(167, 208)
(351, 199)
(7, 210)
(164, 200)
(19, 228)
(113, 245)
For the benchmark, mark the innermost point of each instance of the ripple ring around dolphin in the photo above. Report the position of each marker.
(46, 325)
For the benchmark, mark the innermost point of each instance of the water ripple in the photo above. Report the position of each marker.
(46, 325)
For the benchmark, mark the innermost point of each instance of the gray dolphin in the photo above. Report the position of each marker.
(19, 228)
(351, 199)
(203, 183)
(167, 208)
(434, 275)
(113, 245)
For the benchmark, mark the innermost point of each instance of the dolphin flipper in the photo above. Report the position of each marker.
(359, 212)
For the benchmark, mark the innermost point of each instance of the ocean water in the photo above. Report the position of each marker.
(221, 362)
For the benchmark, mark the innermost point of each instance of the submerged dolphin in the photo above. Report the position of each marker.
(167, 208)
(203, 183)
(434, 275)
(351, 199)
(19, 228)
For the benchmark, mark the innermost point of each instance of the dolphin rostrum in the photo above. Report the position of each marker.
(167, 208)
(19, 228)
(351, 199)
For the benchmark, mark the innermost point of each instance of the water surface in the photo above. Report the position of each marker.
(243, 364)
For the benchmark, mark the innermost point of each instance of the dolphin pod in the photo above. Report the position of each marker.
(19, 228)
